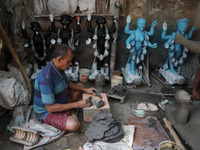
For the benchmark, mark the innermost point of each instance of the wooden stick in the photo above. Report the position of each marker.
(16, 58)
(173, 133)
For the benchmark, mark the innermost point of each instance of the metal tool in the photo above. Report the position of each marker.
(97, 94)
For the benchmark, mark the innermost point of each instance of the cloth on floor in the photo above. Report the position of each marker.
(147, 106)
(124, 144)
(104, 127)
(23, 116)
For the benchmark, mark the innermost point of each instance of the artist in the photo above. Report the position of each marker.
(194, 46)
(55, 98)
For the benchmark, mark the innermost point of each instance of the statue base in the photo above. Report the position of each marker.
(130, 78)
(170, 77)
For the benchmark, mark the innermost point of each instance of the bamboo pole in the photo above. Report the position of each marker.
(16, 58)
(173, 133)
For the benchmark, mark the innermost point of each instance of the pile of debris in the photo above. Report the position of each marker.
(104, 127)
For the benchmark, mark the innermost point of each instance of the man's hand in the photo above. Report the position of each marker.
(83, 103)
(179, 39)
(196, 94)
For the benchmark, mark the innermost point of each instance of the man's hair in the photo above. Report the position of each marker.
(61, 50)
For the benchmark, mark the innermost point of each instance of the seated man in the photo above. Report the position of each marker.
(55, 97)
(194, 46)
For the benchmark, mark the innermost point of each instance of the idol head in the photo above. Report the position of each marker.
(141, 23)
(65, 19)
(182, 25)
(35, 26)
(101, 21)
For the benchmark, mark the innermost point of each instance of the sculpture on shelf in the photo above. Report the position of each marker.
(38, 43)
(100, 38)
(176, 53)
(137, 42)
(67, 36)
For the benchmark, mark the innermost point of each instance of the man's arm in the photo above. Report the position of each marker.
(76, 87)
(196, 87)
(194, 46)
(64, 107)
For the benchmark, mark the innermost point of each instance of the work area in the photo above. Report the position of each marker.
(99, 75)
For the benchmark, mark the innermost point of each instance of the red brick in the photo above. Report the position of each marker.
(89, 113)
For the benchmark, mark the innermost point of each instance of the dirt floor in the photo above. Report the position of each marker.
(120, 111)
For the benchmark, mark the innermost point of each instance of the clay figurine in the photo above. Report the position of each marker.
(38, 43)
(100, 38)
(176, 54)
(137, 43)
(67, 36)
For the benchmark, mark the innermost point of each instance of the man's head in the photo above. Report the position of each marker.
(62, 57)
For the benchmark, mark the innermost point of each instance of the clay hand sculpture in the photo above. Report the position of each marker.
(100, 39)
(176, 54)
(137, 43)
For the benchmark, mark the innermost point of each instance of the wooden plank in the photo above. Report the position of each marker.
(146, 137)
(173, 133)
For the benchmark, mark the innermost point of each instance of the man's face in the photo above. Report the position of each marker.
(67, 61)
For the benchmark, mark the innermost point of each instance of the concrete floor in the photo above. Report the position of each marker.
(77, 139)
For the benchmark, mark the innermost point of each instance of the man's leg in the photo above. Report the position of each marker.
(72, 123)
(63, 120)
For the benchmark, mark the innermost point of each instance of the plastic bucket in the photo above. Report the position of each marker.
(115, 80)
(84, 74)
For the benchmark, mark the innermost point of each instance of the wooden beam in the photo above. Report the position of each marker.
(173, 133)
